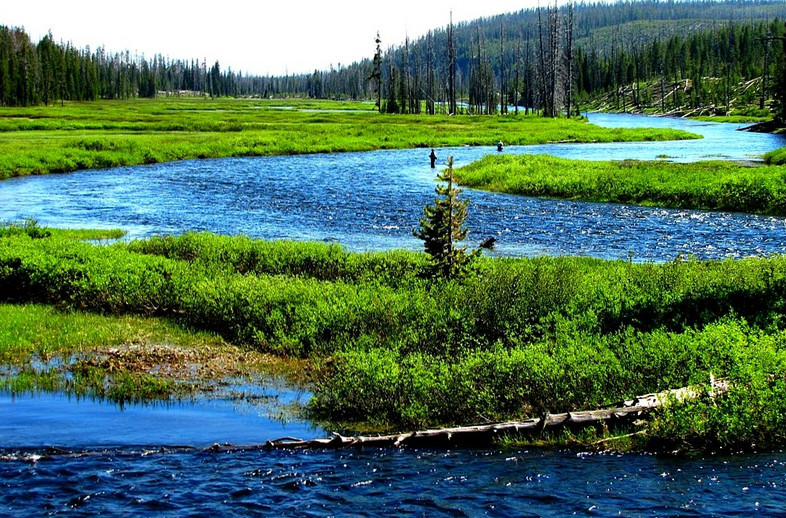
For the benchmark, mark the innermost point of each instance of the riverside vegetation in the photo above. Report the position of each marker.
(55, 139)
(394, 349)
(703, 185)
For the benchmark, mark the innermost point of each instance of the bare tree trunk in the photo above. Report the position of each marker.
(628, 413)
(516, 86)
(542, 74)
(570, 59)
(451, 69)
(430, 80)
(554, 64)
(529, 99)
(503, 105)
(766, 73)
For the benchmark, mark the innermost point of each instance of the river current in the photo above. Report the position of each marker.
(62, 456)
(373, 200)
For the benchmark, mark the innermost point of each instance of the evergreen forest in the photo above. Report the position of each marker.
(698, 56)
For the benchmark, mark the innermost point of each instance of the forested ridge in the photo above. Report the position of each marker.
(665, 56)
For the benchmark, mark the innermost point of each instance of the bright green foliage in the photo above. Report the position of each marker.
(106, 134)
(776, 157)
(751, 417)
(442, 228)
(28, 227)
(519, 337)
(703, 185)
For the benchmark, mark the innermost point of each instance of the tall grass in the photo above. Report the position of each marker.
(704, 185)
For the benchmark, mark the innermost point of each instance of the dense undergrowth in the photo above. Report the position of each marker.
(703, 185)
(394, 349)
(104, 134)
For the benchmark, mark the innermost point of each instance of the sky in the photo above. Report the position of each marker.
(256, 37)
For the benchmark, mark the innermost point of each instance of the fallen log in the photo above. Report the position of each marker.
(626, 412)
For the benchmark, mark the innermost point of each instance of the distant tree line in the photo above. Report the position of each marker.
(549, 59)
(48, 72)
(552, 59)
(701, 69)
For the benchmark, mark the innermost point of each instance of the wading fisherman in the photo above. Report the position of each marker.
(499, 146)
(433, 157)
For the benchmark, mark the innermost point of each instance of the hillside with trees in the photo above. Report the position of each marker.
(696, 56)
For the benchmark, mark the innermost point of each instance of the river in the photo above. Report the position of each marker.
(373, 200)
(62, 456)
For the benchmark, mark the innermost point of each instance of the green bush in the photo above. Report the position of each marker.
(517, 338)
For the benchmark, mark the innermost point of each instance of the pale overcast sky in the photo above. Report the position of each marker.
(257, 37)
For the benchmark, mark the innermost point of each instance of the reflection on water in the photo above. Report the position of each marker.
(255, 416)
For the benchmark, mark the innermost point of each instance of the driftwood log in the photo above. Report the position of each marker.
(626, 412)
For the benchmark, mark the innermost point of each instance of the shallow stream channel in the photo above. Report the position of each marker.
(64, 456)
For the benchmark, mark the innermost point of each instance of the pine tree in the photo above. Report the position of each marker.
(442, 228)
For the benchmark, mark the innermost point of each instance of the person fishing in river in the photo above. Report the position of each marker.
(433, 157)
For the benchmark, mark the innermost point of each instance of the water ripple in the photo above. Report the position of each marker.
(389, 483)
(373, 201)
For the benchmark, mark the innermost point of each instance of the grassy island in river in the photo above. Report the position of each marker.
(103, 134)
(390, 349)
(703, 185)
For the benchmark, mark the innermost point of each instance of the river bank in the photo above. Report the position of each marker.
(391, 350)
(717, 186)
(97, 135)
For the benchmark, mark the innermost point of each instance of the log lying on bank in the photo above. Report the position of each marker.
(625, 413)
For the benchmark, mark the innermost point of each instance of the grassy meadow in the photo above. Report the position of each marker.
(388, 348)
(57, 139)
(716, 185)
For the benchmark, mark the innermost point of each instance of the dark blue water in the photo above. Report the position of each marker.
(373, 201)
(109, 461)
(373, 483)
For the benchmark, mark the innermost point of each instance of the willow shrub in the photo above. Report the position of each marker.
(289, 314)
(565, 372)
(321, 261)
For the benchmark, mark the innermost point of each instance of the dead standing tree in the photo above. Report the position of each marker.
(452, 106)
(551, 69)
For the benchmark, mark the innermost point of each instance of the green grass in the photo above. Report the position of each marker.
(104, 134)
(776, 157)
(31, 229)
(735, 119)
(122, 358)
(394, 350)
(42, 332)
(704, 185)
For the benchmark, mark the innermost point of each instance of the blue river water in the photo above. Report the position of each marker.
(382, 483)
(373, 201)
(62, 456)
